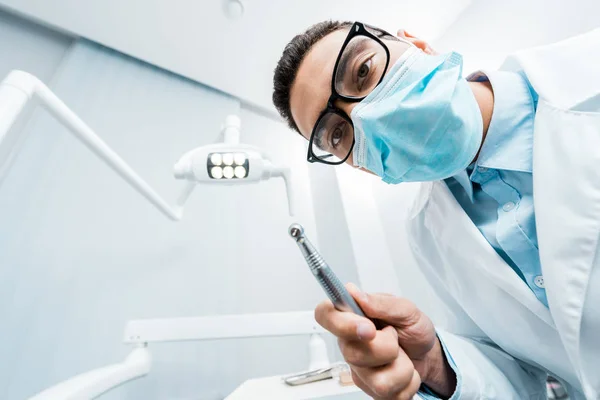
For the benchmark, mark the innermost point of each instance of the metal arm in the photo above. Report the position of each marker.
(92, 384)
(221, 327)
(141, 332)
(19, 87)
(284, 172)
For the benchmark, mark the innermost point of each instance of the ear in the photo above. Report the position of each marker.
(423, 45)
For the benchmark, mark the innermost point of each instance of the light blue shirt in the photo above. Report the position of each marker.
(496, 191)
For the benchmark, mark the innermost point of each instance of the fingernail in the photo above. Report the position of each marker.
(362, 330)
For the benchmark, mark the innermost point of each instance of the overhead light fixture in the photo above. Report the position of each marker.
(231, 162)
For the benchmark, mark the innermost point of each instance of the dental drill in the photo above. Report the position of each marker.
(335, 290)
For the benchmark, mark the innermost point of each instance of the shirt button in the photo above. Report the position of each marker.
(539, 281)
(482, 169)
(508, 206)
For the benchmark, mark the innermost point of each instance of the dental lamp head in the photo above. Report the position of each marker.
(231, 163)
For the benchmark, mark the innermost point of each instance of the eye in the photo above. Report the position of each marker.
(336, 137)
(363, 72)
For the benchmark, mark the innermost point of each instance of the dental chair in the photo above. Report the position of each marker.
(139, 334)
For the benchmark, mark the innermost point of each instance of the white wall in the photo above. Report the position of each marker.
(29, 47)
(335, 243)
(376, 213)
(81, 252)
(488, 30)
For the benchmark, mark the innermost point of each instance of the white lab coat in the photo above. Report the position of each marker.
(503, 340)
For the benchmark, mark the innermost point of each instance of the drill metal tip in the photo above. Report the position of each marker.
(296, 231)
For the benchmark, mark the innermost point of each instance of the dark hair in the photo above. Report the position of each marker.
(289, 63)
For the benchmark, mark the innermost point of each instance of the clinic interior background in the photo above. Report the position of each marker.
(81, 253)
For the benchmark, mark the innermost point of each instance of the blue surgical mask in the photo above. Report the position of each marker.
(421, 123)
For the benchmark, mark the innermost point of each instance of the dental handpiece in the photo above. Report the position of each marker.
(337, 293)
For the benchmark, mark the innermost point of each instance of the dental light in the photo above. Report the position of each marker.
(231, 163)
(223, 163)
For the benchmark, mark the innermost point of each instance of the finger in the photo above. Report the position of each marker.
(390, 380)
(343, 324)
(361, 385)
(412, 388)
(382, 350)
(414, 327)
(394, 310)
(416, 333)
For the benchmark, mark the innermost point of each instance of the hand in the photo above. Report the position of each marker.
(423, 45)
(388, 363)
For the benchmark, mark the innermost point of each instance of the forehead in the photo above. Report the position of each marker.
(312, 86)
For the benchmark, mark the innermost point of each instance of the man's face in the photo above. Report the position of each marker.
(312, 86)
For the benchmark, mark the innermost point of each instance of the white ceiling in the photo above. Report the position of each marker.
(194, 38)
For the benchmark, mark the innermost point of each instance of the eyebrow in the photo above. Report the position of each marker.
(352, 46)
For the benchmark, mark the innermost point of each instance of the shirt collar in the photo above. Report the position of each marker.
(463, 179)
(509, 141)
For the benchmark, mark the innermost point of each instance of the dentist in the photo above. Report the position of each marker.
(507, 222)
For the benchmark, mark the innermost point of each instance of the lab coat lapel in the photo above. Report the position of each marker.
(567, 203)
(565, 73)
(453, 228)
(566, 173)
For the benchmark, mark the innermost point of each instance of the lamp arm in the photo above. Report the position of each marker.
(19, 87)
(286, 174)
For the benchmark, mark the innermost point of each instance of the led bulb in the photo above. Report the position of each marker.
(240, 158)
(240, 172)
(227, 158)
(216, 159)
(228, 172)
(216, 172)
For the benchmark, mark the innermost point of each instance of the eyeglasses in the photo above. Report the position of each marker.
(359, 68)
